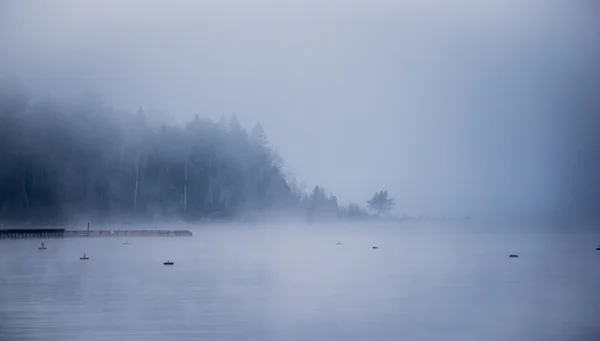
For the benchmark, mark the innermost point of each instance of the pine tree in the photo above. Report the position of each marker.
(380, 202)
(258, 137)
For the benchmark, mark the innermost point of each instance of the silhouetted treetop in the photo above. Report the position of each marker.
(380, 203)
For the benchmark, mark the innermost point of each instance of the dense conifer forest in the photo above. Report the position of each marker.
(67, 161)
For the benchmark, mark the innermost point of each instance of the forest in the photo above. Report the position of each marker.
(68, 161)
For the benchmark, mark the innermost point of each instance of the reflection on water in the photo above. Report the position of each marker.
(297, 284)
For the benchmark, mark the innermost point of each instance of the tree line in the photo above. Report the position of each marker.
(64, 161)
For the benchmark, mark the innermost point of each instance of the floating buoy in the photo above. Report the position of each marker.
(338, 243)
(168, 263)
(514, 256)
(375, 247)
(598, 248)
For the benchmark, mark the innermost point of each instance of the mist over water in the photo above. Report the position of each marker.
(456, 108)
(146, 114)
(425, 282)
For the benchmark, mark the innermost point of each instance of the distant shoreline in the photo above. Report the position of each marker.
(250, 219)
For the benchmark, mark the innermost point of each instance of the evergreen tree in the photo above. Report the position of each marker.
(258, 136)
(380, 203)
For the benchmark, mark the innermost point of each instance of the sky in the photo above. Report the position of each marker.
(455, 107)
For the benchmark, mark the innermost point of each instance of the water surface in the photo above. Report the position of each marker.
(295, 283)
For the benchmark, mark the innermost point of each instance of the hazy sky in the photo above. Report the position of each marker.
(455, 107)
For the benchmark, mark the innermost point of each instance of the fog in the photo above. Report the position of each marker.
(488, 109)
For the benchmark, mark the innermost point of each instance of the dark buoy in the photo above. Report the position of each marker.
(375, 247)
(42, 247)
(598, 248)
(514, 256)
(168, 263)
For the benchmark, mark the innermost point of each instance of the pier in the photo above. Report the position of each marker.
(31, 233)
(67, 233)
(127, 233)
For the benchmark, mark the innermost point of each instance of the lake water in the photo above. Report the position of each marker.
(295, 283)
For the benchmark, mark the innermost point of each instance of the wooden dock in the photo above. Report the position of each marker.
(67, 233)
(127, 233)
(31, 233)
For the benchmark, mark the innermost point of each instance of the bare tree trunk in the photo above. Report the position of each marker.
(137, 181)
(121, 159)
(185, 186)
(25, 195)
(145, 164)
(208, 198)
